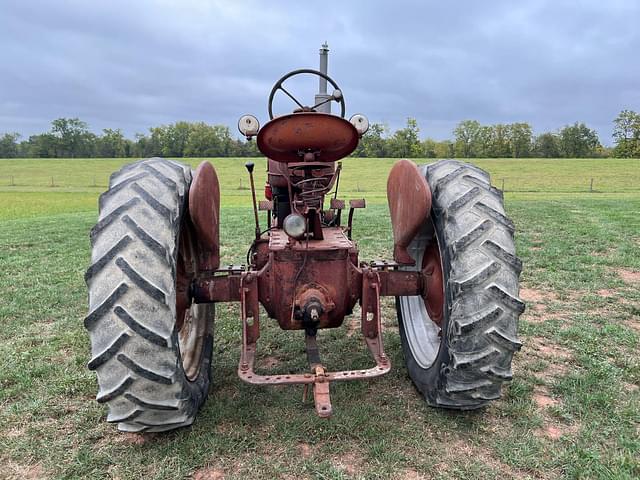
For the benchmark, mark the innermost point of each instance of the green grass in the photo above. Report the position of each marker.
(82, 180)
(580, 356)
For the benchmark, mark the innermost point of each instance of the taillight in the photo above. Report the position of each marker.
(268, 194)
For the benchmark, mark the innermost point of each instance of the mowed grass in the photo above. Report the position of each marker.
(572, 411)
(76, 183)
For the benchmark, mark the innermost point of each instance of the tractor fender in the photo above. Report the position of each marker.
(204, 211)
(409, 198)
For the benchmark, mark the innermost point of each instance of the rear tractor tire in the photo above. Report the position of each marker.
(458, 351)
(150, 350)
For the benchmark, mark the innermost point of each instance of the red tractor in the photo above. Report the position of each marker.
(156, 273)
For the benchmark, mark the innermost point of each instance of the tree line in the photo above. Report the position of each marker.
(71, 138)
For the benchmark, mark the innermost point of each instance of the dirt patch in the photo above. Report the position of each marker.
(555, 358)
(411, 474)
(537, 307)
(533, 295)
(132, 438)
(462, 449)
(554, 351)
(210, 473)
(554, 431)
(352, 323)
(551, 428)
(628, 276)
(633, 324)
(14, 432)
(543, 399)
(304, 449)
(349, 462)
(607, 292)
(16, 471)
(269, 362)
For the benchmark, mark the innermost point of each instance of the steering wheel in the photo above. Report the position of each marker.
(337, 95)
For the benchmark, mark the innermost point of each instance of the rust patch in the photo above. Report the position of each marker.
(210, 473)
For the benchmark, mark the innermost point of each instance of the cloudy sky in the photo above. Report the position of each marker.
(139, 63)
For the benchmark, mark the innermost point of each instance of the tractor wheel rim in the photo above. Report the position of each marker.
(190, 325)
(422, 331)
(434, 295)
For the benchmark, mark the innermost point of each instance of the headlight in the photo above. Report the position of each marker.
(360, 122)
(248, 126)
(295, 225)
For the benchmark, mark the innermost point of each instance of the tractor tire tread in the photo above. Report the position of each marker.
(131, 282)
(479, 334)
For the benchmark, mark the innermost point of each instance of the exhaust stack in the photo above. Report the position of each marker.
(322, 87)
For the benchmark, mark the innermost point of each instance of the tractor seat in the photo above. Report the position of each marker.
(287, 138)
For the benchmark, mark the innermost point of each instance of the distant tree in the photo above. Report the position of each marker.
(405, 142)
(445, 149)
(501, 141)
(482, 146)
(520, 139)
(429, 148)
(578, 141)
(73, 138)
(373, 142)
(9, 145)
(203, 141)
(111, 144)
(547, 145)
(44, 145)
(626, 134)
(467, 138)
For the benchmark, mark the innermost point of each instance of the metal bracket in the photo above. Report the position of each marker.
(319, 378)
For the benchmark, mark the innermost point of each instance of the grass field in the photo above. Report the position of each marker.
(572, 411)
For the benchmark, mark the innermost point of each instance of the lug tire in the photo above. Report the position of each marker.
(467, 362)
(135, 347)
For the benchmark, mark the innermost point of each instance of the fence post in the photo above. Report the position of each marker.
(591, 186)
(502, 185)
(52, 180)
(12, 184)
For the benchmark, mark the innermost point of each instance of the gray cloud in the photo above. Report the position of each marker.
(135, 64)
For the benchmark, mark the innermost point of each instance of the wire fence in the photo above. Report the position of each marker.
(508, 184)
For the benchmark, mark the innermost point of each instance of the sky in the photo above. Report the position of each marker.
(140, 63)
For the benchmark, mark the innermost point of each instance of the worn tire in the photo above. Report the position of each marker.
(465, 365)
(135, 345)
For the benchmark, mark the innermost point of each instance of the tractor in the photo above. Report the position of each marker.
(156, 273)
